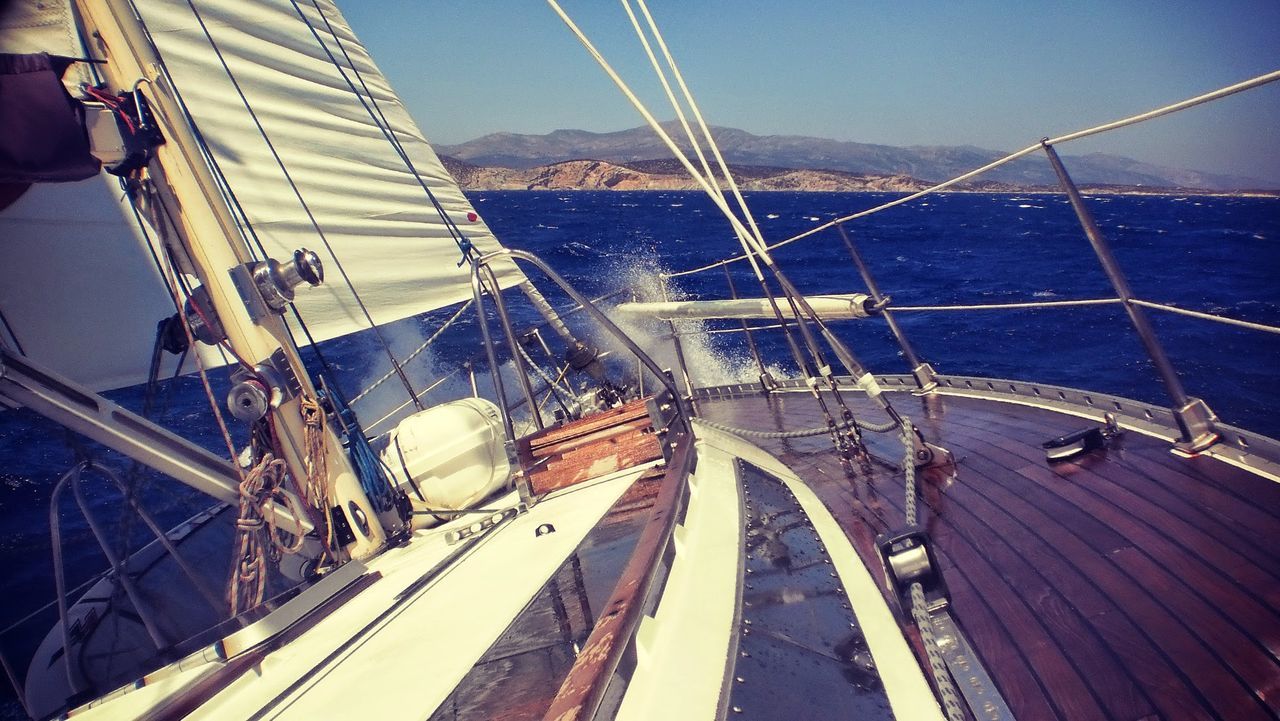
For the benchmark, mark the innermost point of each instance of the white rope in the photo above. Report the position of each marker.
(743, 233)
(1208, 316)
(702, 123)
(1131, 120)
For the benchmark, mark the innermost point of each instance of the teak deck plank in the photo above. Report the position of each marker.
(1129, 584)
(1167, 628)
(1182, 544)
(1202, 506)
(589, 448)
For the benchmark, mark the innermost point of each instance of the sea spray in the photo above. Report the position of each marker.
(708, 360)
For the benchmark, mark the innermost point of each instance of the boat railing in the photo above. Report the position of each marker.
(119, 570)
(385, 422)
(1198, 427)
(483, 279)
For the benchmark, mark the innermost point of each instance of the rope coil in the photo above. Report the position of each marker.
(258, 538)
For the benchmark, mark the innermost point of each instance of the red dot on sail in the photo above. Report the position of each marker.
(472, 217)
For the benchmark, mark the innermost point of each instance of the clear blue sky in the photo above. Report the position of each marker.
(996, 75)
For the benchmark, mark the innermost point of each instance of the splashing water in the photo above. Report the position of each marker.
(708, 362)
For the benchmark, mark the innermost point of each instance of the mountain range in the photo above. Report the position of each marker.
(932, 163)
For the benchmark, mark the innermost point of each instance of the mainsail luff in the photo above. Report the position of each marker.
(302, 124)
(211, 242)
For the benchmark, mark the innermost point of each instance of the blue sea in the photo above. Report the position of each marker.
(1219, 255)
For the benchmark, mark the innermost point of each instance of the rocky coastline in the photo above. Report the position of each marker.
(669, 175)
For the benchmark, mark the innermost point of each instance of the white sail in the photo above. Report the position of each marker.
(378, 220)
(74, 272)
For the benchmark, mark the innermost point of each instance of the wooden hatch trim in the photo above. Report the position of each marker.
(584, 688)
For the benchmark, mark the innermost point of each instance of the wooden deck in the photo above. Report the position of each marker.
(1131, 584)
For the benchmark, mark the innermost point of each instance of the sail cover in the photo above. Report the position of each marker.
(330, 116)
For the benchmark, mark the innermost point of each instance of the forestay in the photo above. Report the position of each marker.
(326, 110)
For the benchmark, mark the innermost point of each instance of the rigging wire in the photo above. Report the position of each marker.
(416, 351)
(1208, 316)
(244, 226)
(464, 245)
(1005, 306)
(1123, 122)
(724, 168)
(751, 243)
(379, 118)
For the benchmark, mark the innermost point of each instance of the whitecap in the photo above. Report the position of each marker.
(1044, 294)
(772, 216)
(813, 218)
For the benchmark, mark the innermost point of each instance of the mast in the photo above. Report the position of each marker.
(212, 247)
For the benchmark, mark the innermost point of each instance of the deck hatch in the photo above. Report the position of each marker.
(801, 652)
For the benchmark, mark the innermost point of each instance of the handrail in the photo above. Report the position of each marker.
(1194, 417)
(441, 379)
(513, 343)
(583, 691)
(589, 306)
(118, 565)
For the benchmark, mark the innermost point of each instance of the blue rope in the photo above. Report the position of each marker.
(369, 469)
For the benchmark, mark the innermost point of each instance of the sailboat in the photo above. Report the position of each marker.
(245, 186)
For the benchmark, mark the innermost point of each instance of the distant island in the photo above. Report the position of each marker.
(670, 175)
(625, 160)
